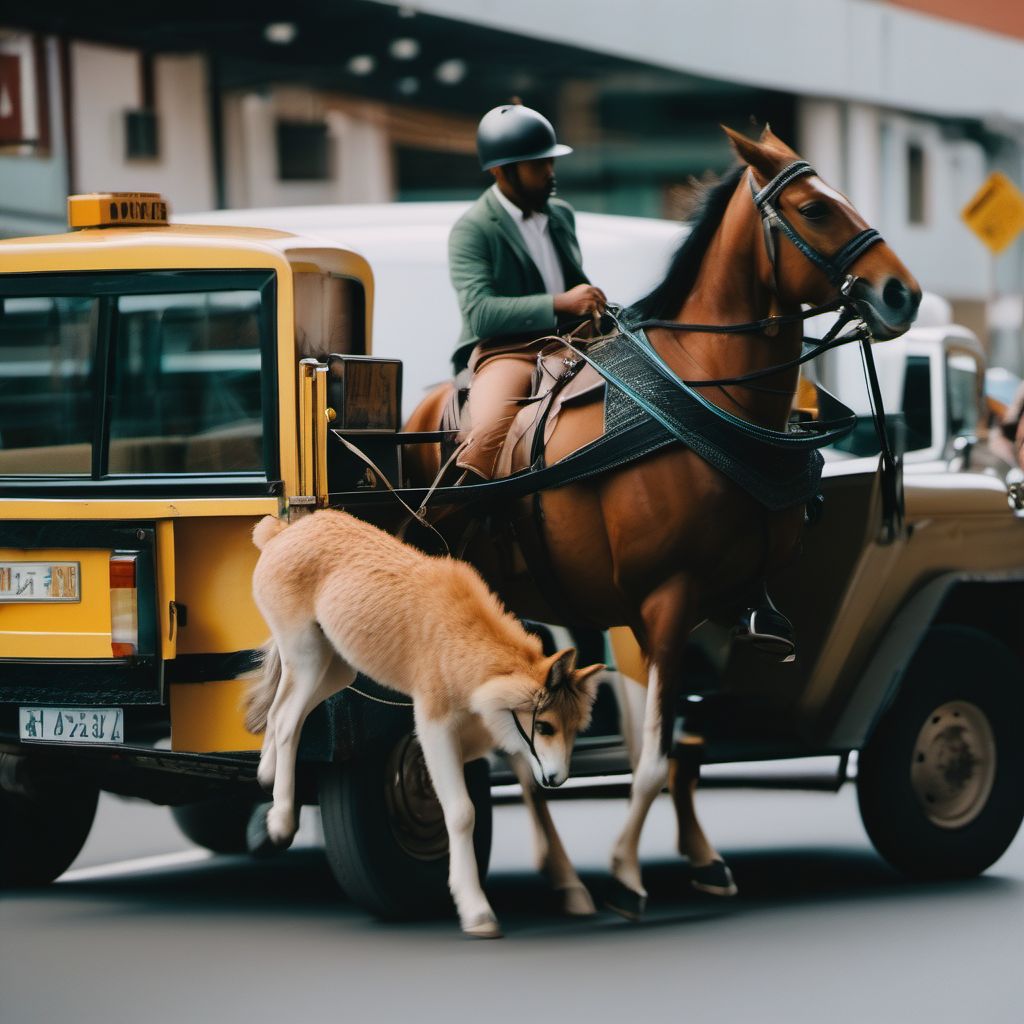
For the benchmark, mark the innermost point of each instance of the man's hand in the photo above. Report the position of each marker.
(583, 300)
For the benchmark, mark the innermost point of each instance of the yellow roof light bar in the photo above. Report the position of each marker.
(117, 209)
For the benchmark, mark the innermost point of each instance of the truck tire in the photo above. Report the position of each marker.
(217, 824)
(41, 834)
(941, 780)
(384, 833)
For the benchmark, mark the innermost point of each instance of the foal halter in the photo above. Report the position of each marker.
(834, 267)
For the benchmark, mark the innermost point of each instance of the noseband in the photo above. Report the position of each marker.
(834, 267)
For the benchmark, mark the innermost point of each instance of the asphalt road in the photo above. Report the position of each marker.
(144, 927)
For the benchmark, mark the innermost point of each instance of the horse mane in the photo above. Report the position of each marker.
(663, 302)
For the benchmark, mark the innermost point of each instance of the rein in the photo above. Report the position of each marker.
(529, 740)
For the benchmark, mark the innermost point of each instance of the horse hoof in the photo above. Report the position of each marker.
(576, 902)
(483, 927)
(257, 836)
(715, 879)
(625, 902)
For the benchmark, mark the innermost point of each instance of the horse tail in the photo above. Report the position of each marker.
(266, 530)
(263, 689)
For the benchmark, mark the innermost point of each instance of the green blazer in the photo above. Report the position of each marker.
(498, 286)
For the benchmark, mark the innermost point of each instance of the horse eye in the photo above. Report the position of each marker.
(814, 211)
(545, 729)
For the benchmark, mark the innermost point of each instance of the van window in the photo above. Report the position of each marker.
(186, 394)
(154, 379)
(47, 351)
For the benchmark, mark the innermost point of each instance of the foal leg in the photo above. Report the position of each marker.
(305, 682)
(552, 860)
(443, 753)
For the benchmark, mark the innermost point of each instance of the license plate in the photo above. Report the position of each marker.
(42, 582)
(71, 725)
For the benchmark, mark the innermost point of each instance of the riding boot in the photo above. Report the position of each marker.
(767, 630)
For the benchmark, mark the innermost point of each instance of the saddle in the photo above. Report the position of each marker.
(560, 379)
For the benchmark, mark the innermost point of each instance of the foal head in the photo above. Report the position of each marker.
(801, 208)
(538, 713)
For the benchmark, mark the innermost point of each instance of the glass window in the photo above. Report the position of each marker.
(963, 395)
(186, 384)
(47, 405)
(917, 403)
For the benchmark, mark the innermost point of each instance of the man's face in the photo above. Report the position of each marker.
(529, 183)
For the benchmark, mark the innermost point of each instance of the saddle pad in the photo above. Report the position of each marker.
(774, 476)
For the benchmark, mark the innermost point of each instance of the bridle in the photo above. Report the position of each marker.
(834, 267)
(529, 740)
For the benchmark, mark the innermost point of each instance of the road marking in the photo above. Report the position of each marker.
(137, 866)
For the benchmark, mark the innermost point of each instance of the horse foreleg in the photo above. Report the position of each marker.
(443, 754)
(628, 896)
(552, 860)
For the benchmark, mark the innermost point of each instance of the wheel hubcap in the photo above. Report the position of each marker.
(414, 812)
(954, 764)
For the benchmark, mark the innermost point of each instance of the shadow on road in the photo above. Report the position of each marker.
(299, 884)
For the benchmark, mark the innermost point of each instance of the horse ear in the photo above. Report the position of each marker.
(751, 152)
(560, 669)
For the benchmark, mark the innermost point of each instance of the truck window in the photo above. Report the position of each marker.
(917, 403)
(157, 374)
(962, 399)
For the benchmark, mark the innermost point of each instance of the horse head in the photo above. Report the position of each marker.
(817, 244)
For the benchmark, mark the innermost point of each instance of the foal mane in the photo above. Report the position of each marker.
(664, 301)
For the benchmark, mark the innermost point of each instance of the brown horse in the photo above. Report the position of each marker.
(666, 541)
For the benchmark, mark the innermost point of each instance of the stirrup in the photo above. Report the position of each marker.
(767, 630)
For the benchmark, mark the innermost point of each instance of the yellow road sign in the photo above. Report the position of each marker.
(996, 213)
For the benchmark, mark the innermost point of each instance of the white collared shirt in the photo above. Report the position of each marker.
(536, 234)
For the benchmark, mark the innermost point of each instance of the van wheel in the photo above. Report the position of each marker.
(41, 834)
(941, 781)
(384, 833)
(217, 823)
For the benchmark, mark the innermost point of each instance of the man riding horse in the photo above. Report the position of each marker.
(516, 267)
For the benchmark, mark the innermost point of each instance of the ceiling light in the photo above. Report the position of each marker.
(450, 72)
(361, 64)
(408, 86)
(280, 33)
(404, 48)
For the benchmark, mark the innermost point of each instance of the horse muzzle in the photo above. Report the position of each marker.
(888, 311)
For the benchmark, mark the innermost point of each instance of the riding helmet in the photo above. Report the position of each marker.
(511, 133)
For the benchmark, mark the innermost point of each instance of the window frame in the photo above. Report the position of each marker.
(108, 286)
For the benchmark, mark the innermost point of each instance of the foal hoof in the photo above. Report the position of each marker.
(483, 927)
(624, 901)
(257, 836)
(576, 901)
(715, 879)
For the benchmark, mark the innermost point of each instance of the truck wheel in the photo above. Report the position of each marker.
(41, 834)
(217, 824)
(941, 781)
(384, 833)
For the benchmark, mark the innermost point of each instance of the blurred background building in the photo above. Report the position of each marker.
(907, 105)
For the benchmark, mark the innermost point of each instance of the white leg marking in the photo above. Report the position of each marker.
(443, 755)
(305, 682)
(648, 779)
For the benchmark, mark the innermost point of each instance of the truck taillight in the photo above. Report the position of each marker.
(124, 606)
